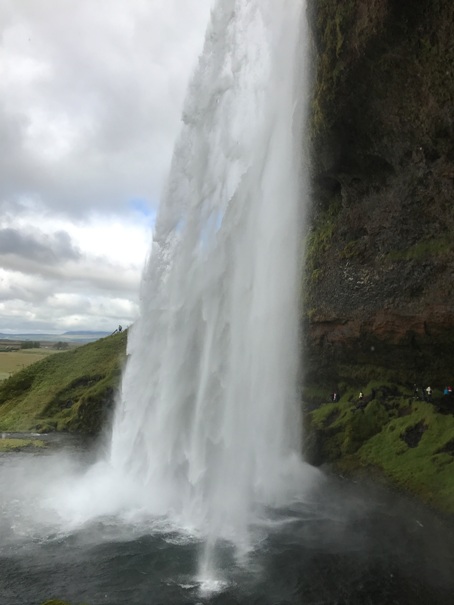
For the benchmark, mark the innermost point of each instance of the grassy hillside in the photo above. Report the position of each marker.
(70, 391)
(408, 440)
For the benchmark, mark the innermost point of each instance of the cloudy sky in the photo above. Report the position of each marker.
(90, 102)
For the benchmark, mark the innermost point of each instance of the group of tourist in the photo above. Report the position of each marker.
(426, 394)
(423, 394)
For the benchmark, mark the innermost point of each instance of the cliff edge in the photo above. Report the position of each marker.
(379, 280)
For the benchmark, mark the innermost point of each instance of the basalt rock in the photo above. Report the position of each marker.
(379, 283)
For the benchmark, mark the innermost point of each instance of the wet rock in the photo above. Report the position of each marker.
(379, 288)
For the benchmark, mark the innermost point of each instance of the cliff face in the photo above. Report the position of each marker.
(379, 282)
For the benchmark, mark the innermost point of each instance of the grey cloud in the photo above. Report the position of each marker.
(118, 80)
(47, 297)
(29, 290)
(41, 248)
(49, 315)
(84, 276)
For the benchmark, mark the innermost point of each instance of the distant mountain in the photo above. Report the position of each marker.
(30, 336)
(85, 333)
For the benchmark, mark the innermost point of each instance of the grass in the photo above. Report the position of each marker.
(428, 468)
(10, 445)
(430, 248)
(65, 391)
(14, 361)
(408, 440)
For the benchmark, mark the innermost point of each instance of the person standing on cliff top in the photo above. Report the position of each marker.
(429, 393)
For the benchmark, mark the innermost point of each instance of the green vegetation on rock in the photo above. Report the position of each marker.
(441, 247)
(410, 441)
(378, 277)
(10, 445)
(70, 391)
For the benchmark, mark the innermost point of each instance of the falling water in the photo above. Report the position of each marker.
(208, 420)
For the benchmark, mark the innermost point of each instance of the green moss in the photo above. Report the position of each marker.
(317, 274)
(340, 38)
(322, 417)
(319, 393)
(361, 425)
(9, 445)
(424, 469)
(310, 313)
(441, 247)
(367, 373)
(319, 240)
(351, 249)
(407, 440)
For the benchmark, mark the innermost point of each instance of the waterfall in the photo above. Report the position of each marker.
(208, 418)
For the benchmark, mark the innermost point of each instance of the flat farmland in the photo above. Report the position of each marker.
(13, 361)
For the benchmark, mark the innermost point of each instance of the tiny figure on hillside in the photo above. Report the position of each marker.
(360, 404)
(429, 393)
(335, 397)
(120, 328)
(446, 391)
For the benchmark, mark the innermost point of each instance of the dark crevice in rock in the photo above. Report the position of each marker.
(413, 435)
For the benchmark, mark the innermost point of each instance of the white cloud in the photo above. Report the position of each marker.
(90, 102)
(87, 263)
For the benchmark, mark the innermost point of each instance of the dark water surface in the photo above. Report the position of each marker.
(352, 544)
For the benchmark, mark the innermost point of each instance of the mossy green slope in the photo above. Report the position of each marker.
(69, 391)
(408, 440)
(14, 445)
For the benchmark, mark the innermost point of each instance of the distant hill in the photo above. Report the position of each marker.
(71, 391)
(86, 333)
(71, 336)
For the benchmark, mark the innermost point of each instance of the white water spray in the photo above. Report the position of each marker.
(208, 420)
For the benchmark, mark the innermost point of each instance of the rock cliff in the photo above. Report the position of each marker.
(379, 283)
